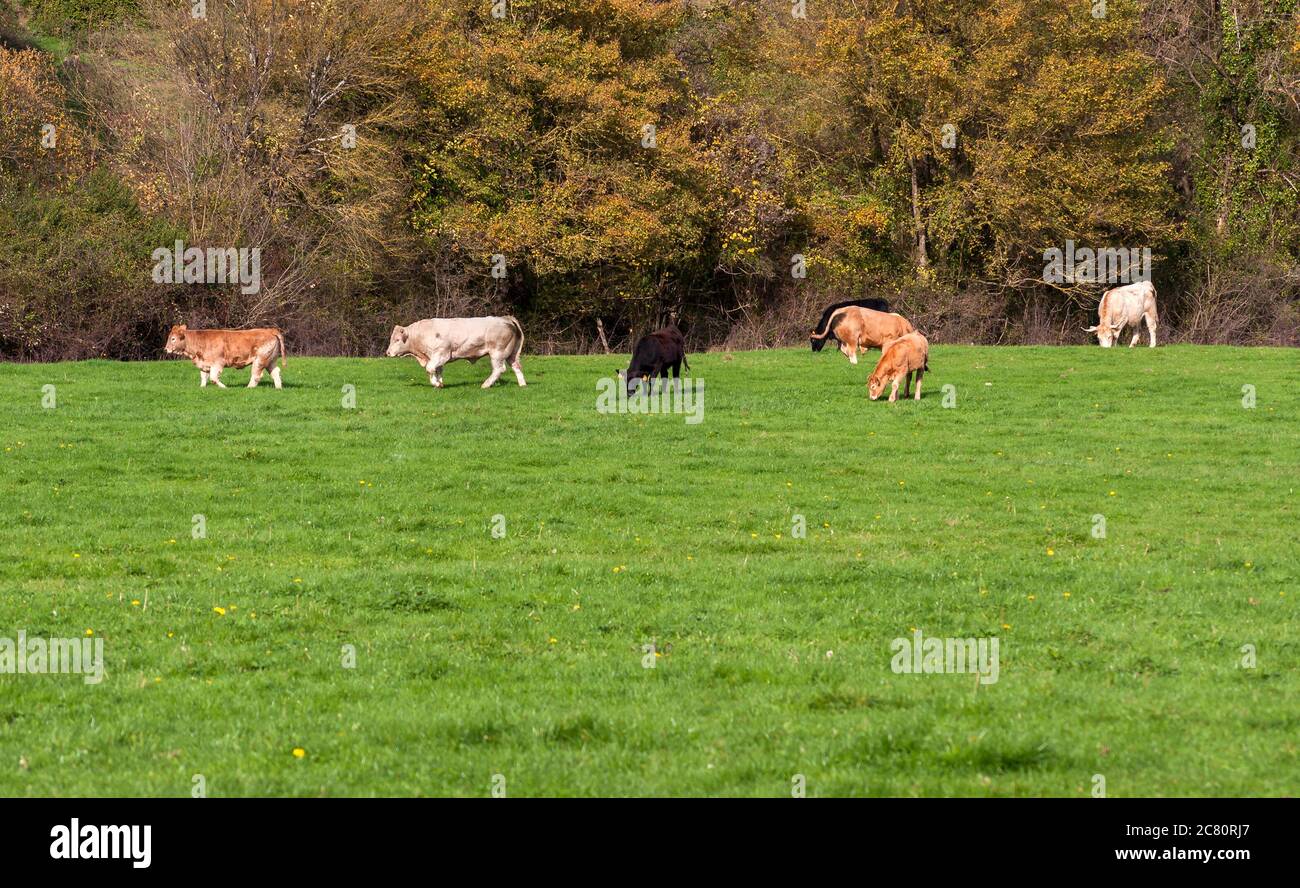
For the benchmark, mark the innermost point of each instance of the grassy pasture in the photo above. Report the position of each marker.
(522, 656)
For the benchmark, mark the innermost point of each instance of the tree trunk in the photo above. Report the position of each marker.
(922, 260)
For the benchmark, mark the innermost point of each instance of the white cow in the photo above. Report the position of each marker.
(1126, 307)
(435, 341)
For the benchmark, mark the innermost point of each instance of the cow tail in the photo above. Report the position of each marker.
(279, 337)
(820, 334)
(519, 348)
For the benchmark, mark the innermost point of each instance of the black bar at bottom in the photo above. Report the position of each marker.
(337, 837)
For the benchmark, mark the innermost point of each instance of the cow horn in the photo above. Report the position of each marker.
(1089, 329)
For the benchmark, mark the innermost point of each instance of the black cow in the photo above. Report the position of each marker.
(655, 354)
(821, 334)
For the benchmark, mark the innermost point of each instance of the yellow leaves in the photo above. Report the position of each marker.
(34, 123)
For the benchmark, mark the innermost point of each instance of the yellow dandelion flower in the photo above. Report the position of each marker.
(299, 752)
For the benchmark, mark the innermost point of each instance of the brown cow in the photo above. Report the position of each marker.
(898, 361)
(855, 327)
(214, 350)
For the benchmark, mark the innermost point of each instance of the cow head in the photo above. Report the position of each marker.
(876, 386)
(1106, 333)
(176, 340)
(634, 378)
(397, 343)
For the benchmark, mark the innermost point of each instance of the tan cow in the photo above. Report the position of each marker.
(898, 361)
(1124, 307)
(214, 350)
(855, 327)
(436, 341)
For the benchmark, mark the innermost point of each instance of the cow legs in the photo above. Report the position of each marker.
(435, 375)
(216, 375)
(907, 384)
(919, 374)
(203, 378)
(256, 377)
(1151, 326)
(498, 367)
(519, 371)
(275, 376)
(850, 351)
(1137, 334)
(893, 393)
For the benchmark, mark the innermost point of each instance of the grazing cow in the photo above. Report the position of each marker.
(856, 327)
(899, 359)
(214, 350)
(1126, 307)
(436, 341)
(819, 335)
(655, 354)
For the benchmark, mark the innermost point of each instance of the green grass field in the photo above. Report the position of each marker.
(523, 656)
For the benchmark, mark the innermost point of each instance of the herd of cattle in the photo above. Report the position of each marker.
(434, 342)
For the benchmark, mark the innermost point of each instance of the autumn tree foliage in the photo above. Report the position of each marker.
(597, 167)
(558, 138)
(38, 138)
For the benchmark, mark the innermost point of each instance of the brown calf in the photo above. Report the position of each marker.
(898, 361)
(214, 350)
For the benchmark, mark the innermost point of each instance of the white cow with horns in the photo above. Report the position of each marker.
(435, 341)
(1124, 307)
